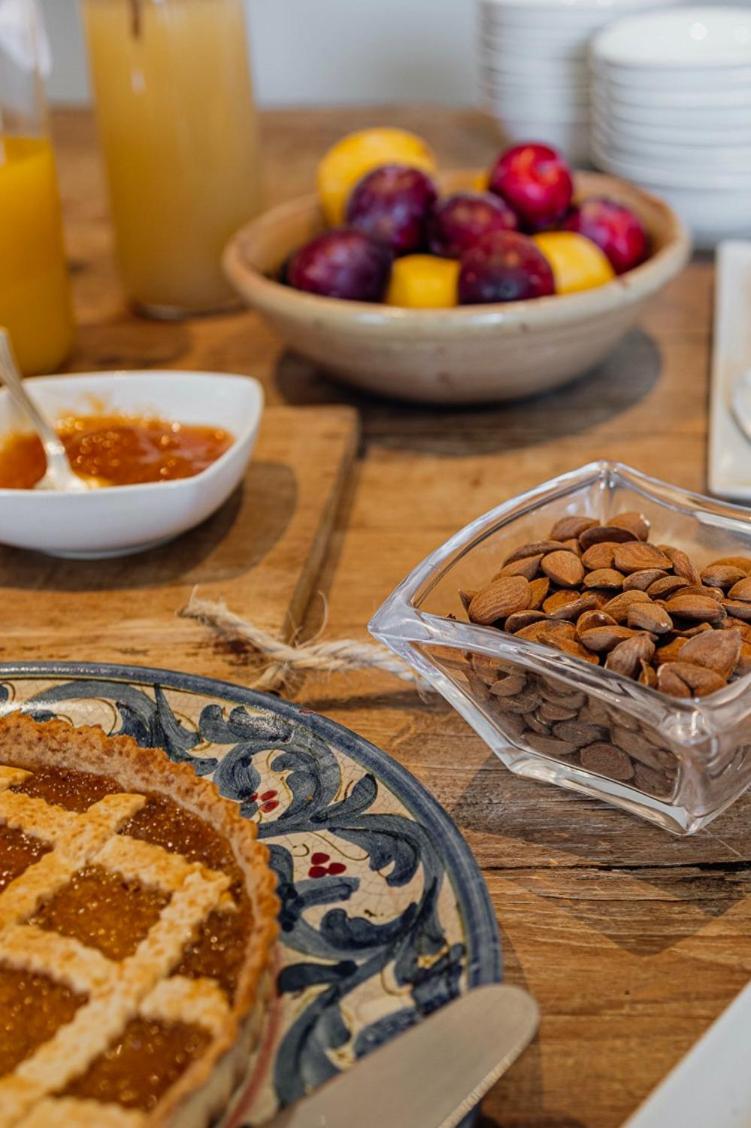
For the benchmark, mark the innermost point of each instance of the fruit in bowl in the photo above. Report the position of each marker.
(408, 343)
(526, 236)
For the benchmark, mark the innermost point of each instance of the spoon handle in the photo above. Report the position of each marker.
(54, 450)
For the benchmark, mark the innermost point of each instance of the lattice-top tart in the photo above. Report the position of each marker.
(137, 924)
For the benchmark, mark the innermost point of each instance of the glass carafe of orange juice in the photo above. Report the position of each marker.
(35, 303)
(178, 128)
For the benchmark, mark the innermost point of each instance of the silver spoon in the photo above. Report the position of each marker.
(59, 474)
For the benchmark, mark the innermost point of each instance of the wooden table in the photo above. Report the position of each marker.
(631, 940)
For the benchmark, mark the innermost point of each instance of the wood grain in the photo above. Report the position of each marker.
(632, 941)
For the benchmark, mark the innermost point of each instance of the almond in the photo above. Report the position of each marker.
(721, 575)
(520, 619)
(741, 562)
(605, 759)
(466, 598)
(576, 650)
(649, 617)
(635, 556)
(599, 533)
(669, 682)
(701, 608)
(571, 611)
(563, 568)
(538, 590)
(604, 578)
(682, 564)
(640, 581)
(700, 589)
(547, 631)
(671, 650)
(569, 527)
(635, 523)
(741, 590)
(738, 608)
(744, 662)
(591, 619)
(648, 675)
(509, 686)
(548, 745)
(618, 606)
(602, 639)
(625, 658)
(667, 586)
(579, 733)
(499, 599)
(528, 567)
(699, 680)
(599, 555)
(536, 548)
(717, 650)
(559, 599)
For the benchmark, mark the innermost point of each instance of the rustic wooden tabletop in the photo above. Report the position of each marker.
(631, 940)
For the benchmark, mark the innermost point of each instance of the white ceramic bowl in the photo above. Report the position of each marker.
(470, 354)
(678, 37)
(118, 520)
(686, 160)
(709, 178)
(702, 118)
(634, 131)
(677, 97)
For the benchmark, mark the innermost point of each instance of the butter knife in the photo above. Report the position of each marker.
(431, 1076)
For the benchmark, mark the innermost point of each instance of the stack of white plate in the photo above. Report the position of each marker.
(671, 110)
(533, 66)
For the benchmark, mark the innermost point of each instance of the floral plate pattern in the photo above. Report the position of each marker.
(385, 916)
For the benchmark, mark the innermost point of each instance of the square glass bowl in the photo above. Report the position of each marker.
(675, 762)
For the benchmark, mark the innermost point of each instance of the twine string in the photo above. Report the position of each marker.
(282, 658)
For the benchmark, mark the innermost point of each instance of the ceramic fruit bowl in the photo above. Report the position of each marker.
(468, 354)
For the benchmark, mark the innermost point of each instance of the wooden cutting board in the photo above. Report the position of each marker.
(261, 553)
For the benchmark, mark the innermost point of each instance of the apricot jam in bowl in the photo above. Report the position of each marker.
(164, 450)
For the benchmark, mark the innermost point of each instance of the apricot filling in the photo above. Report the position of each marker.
(32, 1008)
(75, 791)
(17, 852)
(141, 1065)
(103, 911)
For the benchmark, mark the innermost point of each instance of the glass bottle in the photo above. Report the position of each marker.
(35, 305)
(178, 128)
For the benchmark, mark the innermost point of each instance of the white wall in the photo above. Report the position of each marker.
(324, 51)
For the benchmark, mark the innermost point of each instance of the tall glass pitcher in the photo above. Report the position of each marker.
(178, 128)
(35, 303)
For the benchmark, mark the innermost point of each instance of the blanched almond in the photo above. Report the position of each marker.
(635, 556)
(499, 599)
(573, 526)
(563, 568)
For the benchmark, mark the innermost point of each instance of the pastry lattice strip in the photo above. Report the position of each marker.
(118, 991)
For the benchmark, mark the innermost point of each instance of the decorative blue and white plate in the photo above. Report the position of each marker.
(385, 916)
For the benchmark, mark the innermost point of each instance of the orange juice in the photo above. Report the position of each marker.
(178, 129)
(34, 295)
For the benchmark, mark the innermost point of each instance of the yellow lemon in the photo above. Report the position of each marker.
(577, 263)
(423, 282)
(347, 162)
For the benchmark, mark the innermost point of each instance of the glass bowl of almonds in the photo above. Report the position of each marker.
(596, 633)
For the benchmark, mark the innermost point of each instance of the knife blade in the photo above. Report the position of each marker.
(432, 1075)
